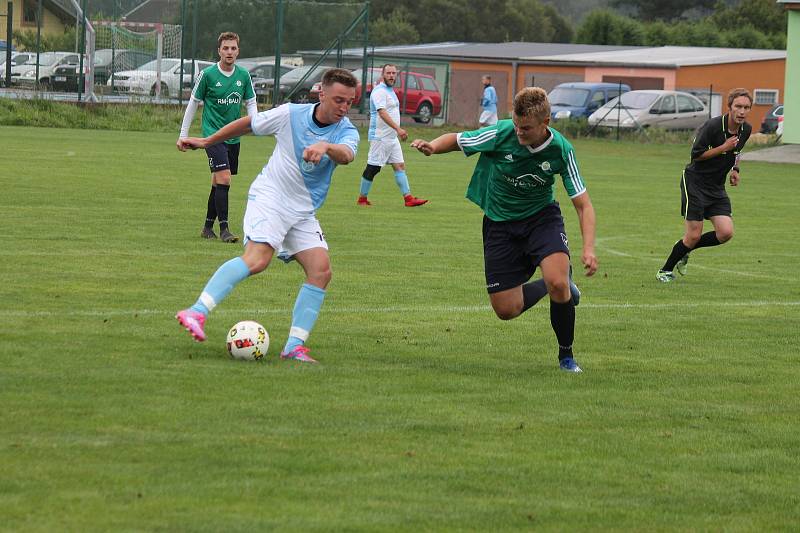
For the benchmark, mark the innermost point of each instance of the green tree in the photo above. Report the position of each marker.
(62, 42)
(649, 10)
(766, 16)
(394, 29)
(658, 34)
(747, 37)
(603, 26)
(562, 29)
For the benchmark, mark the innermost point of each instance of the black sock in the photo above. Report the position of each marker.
(678, 251)
(533, 292)
(211, 210)
(221, 203)
(562, 318)
(707, 239)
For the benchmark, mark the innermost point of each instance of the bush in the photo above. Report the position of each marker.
(50, 114)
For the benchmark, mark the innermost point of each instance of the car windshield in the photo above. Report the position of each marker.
(568, 97)
(103, 57)
(46, 59)
(166, 64)
(634, 100)
(295, 75)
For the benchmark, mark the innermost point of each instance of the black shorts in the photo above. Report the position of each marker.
(223, 156)
(699, 203)
(512, 250)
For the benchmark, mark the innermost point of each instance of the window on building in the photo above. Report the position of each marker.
(29, 13)
(765, 97)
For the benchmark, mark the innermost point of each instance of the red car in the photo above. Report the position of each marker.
(423, 100)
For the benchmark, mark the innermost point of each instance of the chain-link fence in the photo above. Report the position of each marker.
(151, 51)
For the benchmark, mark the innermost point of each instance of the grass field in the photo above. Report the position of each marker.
(426, 412)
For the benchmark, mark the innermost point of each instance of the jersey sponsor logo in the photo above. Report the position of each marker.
(231, 99)
(526, 181)
(218, 84)
(509, 157)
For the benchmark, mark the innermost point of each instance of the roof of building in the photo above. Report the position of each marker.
(477, 51)
(62, 9)
(164, 11)
(575, 54)
(664, 56)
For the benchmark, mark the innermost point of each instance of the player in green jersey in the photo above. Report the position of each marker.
(514, 184)
(222, 88)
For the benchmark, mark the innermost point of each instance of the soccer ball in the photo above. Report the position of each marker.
(248, 341)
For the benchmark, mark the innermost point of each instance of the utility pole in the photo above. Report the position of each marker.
(276, 87)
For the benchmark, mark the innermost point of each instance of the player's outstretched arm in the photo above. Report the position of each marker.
(340, 153)
(440, 145)
(237, 128)
(585, 210)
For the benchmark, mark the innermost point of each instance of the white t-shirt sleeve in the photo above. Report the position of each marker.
(379, 98)
(188, 117)
(269, 122)
(350, 139)
(252, 107)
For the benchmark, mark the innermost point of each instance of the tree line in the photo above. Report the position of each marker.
(314, 24)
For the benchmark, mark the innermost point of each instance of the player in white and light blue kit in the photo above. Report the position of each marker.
(385, 135)
(280, 217)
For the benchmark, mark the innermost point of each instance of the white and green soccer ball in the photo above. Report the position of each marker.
(248, 341)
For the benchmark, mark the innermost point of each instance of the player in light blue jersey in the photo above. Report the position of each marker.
(312, 139)
(488, 103)
(385, 135)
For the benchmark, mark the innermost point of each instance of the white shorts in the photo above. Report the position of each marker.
(383, 151)
(288, 234)
(488, 118)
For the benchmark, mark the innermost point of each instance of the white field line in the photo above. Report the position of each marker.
(694, 264)
(449, 309)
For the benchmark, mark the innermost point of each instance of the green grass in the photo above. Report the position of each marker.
(426, 412)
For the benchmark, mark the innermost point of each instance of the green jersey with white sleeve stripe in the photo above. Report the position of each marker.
(222, 95)
(512, 181)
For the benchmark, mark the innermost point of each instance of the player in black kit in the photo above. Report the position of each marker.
(715, 154)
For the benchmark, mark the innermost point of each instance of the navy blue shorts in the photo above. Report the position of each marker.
(223, 156)
(513, 249)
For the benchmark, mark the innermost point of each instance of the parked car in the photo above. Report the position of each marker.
(262, 74)
(772, 119)
(264, 88)
(581, 99)
(17, 58)
(422, 100)
(673, 110)
(25, 74)
(144, 80)
(264, 70)
(65, 77)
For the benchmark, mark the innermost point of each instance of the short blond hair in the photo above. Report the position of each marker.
(532, 102)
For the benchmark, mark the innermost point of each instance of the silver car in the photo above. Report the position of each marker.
(671, 110)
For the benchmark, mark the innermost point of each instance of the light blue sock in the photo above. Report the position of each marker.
(366, 185)
(402, 181)
(221, 283)
(306, 309)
